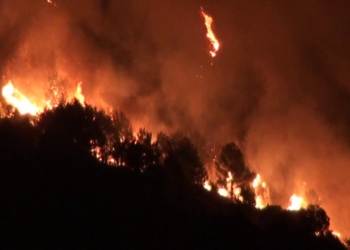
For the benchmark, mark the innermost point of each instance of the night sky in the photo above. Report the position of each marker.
(279, 86)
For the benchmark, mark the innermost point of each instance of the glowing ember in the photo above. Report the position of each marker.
(237, 192)
(207, 185)
(337, 234)
(78, 94)
(18, 100)
(229, 177)
(210, 34)
(223, 192)
(297, 203)
(51, 2)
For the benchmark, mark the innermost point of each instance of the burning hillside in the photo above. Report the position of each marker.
(234, 185)
(279, 87)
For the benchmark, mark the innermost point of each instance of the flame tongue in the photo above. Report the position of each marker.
(261, 192)
(18, 100)
(297, 202)
(78, 94)
(210, 34)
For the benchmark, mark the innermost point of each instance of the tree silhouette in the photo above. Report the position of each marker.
(318, 221)
(248, 194)
(73, 128)
(180, 156)
(53, 185)
(18, 138)
(232, 169)
(232, 159)
(140, 153)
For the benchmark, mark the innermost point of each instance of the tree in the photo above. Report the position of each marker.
(72, 127)
(318, 220)
(231, 158)
(248, 195)
(234, 173)
(121, 137)
(181, 158)
(18, 138)
(140, 153)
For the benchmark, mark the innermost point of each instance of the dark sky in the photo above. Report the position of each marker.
(279, 86)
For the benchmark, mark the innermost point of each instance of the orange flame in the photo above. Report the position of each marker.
(207, 185)
(210, 34)
(223, 192)
(18, 100)
(337, 234)
(297, 202)
(261, 192)
(231, 190)
(78, 94)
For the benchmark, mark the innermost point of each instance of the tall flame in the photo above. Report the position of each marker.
(78, 94)
(297, 202)
(210, 34)
(18, 100)
(261, 192)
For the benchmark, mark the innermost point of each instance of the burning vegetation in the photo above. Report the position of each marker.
(75, 133)
(84, 155)
(24, 106)
(232, 180)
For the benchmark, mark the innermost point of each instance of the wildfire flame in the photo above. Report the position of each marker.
(232, 191)
(24, 106)
(210, 34)
(261, 192)
(207, 185)
(223, 192)
(78, 94)
(18, 100)
(297, 202)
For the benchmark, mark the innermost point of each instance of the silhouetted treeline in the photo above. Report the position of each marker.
(76, 177)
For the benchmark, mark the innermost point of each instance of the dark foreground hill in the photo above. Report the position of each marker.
(82, 204)
(56, 195)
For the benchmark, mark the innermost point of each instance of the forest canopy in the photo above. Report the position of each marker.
(76, 171)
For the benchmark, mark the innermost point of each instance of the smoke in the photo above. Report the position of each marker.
(278, 87)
